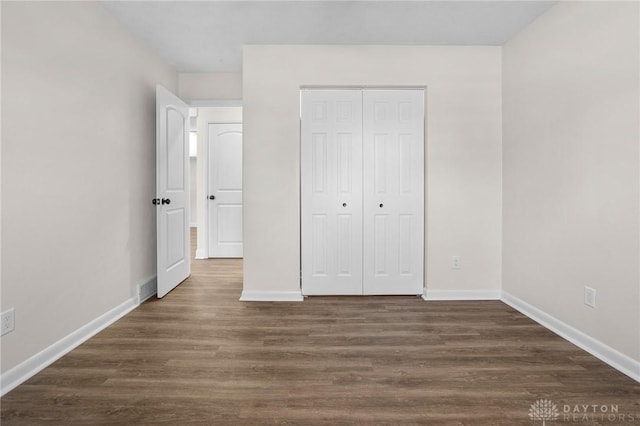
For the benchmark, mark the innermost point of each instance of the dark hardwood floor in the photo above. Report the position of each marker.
(199, 356)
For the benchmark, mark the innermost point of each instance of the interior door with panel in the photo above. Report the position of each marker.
(393, 141)
(331, 184)
(172, 190)
(224, 183)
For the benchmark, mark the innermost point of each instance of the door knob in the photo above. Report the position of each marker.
(344, 204)
(155, 201)
(212, 197)
(166, 201)
(381, 205)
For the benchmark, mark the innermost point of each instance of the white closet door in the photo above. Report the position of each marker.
(393, 145)
(331, 156)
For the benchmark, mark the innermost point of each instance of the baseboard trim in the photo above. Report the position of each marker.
(29, 368)
(147, 290)
(431, 295)
(201, 254)
(602, 351)
(271, 296)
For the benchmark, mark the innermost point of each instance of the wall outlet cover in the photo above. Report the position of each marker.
(456, 262)
(590, 297)
(7, 321)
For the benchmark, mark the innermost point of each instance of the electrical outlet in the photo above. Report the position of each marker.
(590, 296)
(456, 263)
(8, 321)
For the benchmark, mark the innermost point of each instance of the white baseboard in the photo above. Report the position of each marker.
(27, 369)
(602, 351)
(271, 296)
(201, 254)
(461, 295)
(147, 290)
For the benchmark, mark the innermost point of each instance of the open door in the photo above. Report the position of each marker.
(172, 189)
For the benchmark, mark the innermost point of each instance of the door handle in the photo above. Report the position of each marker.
(344, 204)
(212, 197)
(155, 201)
(166, 201)
(381, 205)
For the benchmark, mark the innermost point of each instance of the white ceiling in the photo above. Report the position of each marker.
(207, 36)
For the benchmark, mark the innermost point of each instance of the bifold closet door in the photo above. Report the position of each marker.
(362, 182)
(393, 184)
(331, 185)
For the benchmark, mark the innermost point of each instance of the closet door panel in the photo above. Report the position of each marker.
(393, 197)
(331, 191)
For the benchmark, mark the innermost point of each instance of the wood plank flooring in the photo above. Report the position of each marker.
(199, 356)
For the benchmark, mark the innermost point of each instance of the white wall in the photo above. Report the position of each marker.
(78, 168)
(463, 164)
(571, 168)
(210, 86)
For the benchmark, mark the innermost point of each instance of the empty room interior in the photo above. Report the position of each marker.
(320, 212)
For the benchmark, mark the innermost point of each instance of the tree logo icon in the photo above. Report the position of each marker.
(544, 410)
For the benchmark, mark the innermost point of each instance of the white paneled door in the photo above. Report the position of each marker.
(331, 156)
(225, 190)
(393, 181)
(172, 190)
(362, 178)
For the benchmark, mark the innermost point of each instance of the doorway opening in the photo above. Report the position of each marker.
(216, 179)
(197, 168)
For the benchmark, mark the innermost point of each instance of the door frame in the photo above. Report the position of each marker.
(424, 171)
(212, 112)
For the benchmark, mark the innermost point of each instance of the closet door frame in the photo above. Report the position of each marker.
(409, 275)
